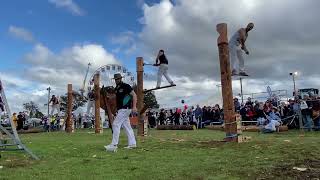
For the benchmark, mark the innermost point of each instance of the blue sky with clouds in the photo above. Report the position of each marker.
(58, 27)
(50, 42)
(60, 24)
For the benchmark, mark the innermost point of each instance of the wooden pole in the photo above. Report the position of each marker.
(226, 83)
(69, 123)
(97, 122)
(140, 96)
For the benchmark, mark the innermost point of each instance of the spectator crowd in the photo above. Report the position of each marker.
(268, 115)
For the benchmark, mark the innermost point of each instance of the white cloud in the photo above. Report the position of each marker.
(68, 66)
(69, 5)
(21, 33)
(186, 31)
(126, 42)
(46, 68)
(124, 38)
(19, 90)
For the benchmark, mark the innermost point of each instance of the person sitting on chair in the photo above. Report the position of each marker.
(162, 62)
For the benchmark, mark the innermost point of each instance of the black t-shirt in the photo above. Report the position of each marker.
(249, 103)
(163, 59)
(20, 117)
(124, 99)
(260, 114)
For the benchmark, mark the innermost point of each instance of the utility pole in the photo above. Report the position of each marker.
(294, 74)
(241, 90)
(49, 91)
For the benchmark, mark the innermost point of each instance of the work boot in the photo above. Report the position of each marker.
(234, 73)
(242, 73)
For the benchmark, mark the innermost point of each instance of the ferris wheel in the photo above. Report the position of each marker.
(106, 75)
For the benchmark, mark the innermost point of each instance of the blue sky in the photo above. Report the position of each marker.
(58, 28)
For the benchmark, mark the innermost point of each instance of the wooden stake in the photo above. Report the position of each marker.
(140, 96)
(69, 123)
(226, 83)
(97, 122)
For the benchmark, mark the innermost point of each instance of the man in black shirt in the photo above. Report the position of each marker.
(162, 117)
(20, 121)
(126, 102)
(162, 62)
(249, 102)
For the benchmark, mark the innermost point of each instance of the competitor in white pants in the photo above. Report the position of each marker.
(163, 68)
(91, 101)
(126, 100)
(236, 45)
(90, 106)
(55, 105)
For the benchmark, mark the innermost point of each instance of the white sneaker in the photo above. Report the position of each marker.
(131, 146)
(111, 148)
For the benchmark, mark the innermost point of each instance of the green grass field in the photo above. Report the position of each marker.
(165, 155)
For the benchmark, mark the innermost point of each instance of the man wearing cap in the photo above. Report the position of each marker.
(126, 103)
(274, 114)
(236, 45)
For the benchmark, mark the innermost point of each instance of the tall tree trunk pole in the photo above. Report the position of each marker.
(226, 83)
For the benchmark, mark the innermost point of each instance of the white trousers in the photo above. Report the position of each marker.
(55, 107)
(236, 56)
(89, 106)
(163, 70)
(122, 119)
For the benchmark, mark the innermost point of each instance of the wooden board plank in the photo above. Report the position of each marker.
(163, 87)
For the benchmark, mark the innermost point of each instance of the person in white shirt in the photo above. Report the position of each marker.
(236, 45)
